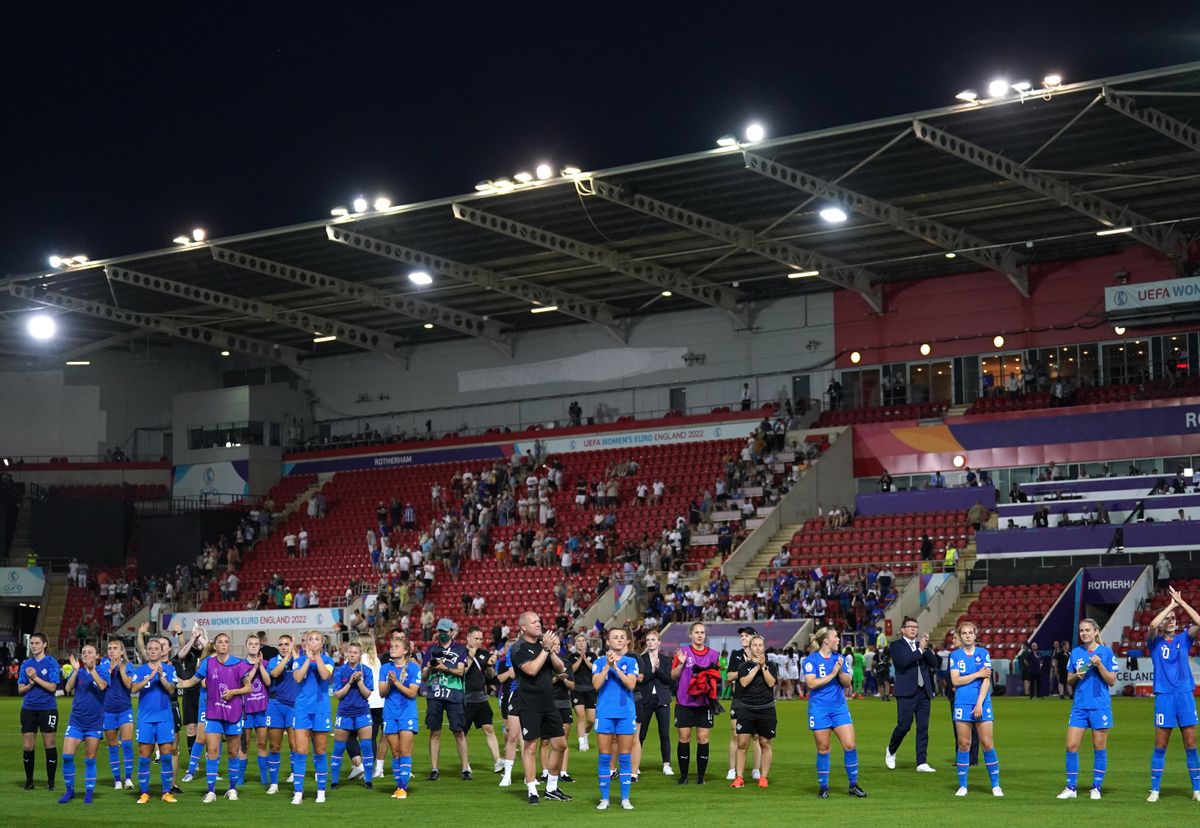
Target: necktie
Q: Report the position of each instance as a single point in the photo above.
(920, 672)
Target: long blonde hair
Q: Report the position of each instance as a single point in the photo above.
(370, 653)
(1096, 626)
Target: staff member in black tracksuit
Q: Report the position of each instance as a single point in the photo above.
(654, 693)
(736, 658)
(916, 665)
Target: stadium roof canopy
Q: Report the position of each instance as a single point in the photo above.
(1001, 184)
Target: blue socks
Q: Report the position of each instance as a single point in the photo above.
(166, 771)
(850, 761)
(1099, 768)
(299, 768)
(368, 758)
(823, 770)
(89, 774)
(603, 774)
(273, 767)
(114, 762)
(194, 757)
(321, 769)
(144, 774)
(1157, 762)
(127, 750)
(993, 766)
(396, 774)
(210, 772)
(69, 771)
(625, 773)
(1072, 769)
(262, 768)
(1193, 760)
(405, 771)
(962, 763)
(339, 747)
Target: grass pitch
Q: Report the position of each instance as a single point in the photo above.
(1029, 741)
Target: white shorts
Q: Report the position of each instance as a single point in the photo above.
(581, 499)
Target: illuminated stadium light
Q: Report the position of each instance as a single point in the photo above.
(968, 96)
(998, 88)
(755, 133)
(544, 309)
(78, 362)
(339, 212)
(998, 341)
(667, 293)
(1052, 81)
(951, 255)
(855, 357)
(78, 259)
(727, 142)
(199, 234)
(1022, 86)
(503, 185)
(224, 353)
(1119, 330)
(420, 277)
(523, 177)
(485, 187)
(55, 261)
(925, 349)
(360, 205)
(382, 203)
(803, 274)
(428, 326)
(959, 461)
(833, 215)
(1112, 231)
(544, 172)
(181, 240)
(41, 326)
(570, 171)
(328, 338)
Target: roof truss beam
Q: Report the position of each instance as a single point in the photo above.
(577, 306)
(208, 337)
(460, 321)
(1153, 234)
(663, 278)
(838, 274)
(356, 335)
(1158, 121)
(959, 242)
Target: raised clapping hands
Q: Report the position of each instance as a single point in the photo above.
(1095, 660)
(680, 656)
(1176, 598)
(74, 662)
(144, 628)
(30, 673)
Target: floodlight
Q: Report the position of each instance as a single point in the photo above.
(41, 326)
(833, 215)
(420, 277)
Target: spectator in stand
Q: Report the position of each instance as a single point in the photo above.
(977, 515)
(301, 599)
(746, 398)
(289, 544)
(312, 508)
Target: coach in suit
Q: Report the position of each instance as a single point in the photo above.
(915, 665)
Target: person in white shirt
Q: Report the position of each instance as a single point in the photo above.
(303, 538)
(641, 492)
(659, 490)
(289, 544)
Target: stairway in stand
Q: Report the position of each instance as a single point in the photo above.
(950, 619)
(54, 607)
(746, 580)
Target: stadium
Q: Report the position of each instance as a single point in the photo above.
(941, 366)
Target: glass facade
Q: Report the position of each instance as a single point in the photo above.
(962, 380)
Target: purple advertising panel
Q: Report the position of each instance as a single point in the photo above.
(1108, 584)
(924, 500)
(388, 461)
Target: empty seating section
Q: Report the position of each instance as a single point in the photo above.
(1133, 637)
(337, 543)
(109, 491)
(289, 487)
(1092, 395)
(1006, 615)
(881, 414)
(894, 539)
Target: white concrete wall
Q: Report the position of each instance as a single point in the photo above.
(774, 350)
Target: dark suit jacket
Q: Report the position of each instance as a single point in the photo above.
(906, 662)
(655, 687)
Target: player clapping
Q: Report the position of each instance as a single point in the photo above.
(399, 681)
(614, 678)
(353, 683)
(828, 676)
(88, 681)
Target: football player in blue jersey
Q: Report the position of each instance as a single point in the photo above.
(312, 670)
(971, 677)
(1174, 704)
(281, 711)
(1093, 670)
(37, 682)
(399, 681)
(154, 684)
(827, 676)
(352, 683)
(118, 716)
(88, 681)
(614, 677)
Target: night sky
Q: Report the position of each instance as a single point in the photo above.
(124, 130)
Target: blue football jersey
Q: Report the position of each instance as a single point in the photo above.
(832, 694)
(966, 695)
(1091, 691)
(614, 700)
(1172, 673)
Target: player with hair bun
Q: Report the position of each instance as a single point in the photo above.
(971, 677)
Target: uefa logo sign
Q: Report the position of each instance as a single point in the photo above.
(1120, 298)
